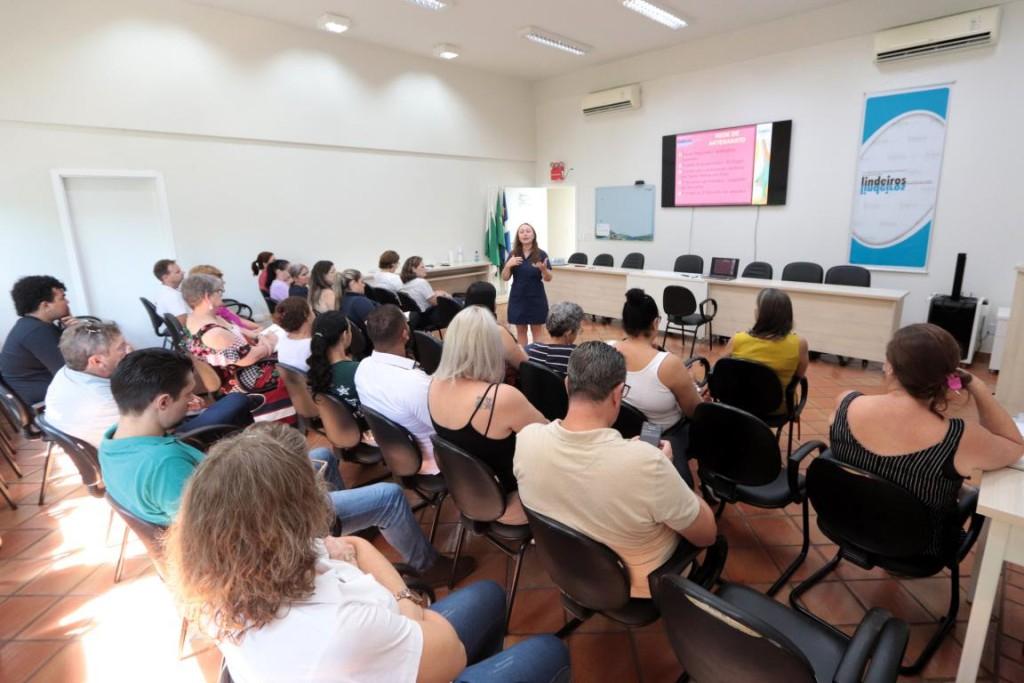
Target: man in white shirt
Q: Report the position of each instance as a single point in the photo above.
(168, 298)
(391, 384)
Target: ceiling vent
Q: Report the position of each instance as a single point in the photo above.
(960, 31)
(626, 97)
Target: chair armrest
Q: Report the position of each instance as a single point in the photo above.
(967, 504)
(877, 642)
(685, 554)
(714, 308)
(700, 360)
(204, 437)
(793, 465)
(37, 408)
(706, 573)
(794, 408)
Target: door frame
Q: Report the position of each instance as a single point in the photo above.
(58, 176)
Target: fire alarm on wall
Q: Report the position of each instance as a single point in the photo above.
(557, 171)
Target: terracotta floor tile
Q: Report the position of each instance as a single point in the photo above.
(494, 567)
(933, 593)
(750, 565)
(1013, 620)
(784, 555)
(17, 612)
(537, 610)
(19, 659)
(891, 595)
(16, 573)
(737, 532)
(533, 574)
(67, 665)
(61, 579)
(17, 541)
(776, 531)
(70, 617)
(833, 602)
(603, 657)
(657, 660)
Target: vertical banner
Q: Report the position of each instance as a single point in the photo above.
(897, 180)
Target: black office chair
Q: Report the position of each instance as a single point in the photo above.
(593, 579)
(427, 349)
(441, 315)
(877, 523)
(853, 276)
(739, 634)
(21, 415)
(382, 295)
(202, 438)
(402, 455)
(579, 258)
(344, 432)
(544, 389)
(296, 383)
(176, 331)
(738, 461)
(240, 309)
(755, 388)
(606, 260)
(360, 346)
(407, 303)
(477, 494)
(82, 454)
(758, 269)
(630, 421)
(689, 263)
(634, 260)
(156, 321)
(681, 311)
(803, 271)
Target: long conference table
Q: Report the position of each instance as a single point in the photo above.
(847, 321)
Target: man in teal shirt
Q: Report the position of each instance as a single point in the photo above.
(144, 469)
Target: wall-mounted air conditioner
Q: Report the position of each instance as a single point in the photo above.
(626, 97)
(970, 29)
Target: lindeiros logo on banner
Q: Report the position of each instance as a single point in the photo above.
(898, 172)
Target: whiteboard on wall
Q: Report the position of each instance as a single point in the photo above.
(625, 213)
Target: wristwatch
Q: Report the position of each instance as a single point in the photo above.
(406, 594)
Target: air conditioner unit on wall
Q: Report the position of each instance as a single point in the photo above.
(626, 97)
(977, 28)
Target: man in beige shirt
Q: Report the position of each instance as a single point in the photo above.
(582, 473)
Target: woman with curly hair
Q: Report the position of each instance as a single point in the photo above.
(287, 602)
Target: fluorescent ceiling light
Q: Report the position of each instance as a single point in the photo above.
(655, 13)
(548, 39)
(431, 4)
(446, 51)
(334, 23)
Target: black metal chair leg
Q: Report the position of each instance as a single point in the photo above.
(664, 337)
(461, 531)
(781, 581)
(693, 344)
(119, 567)
(803, 586)
(569, 627)
(515, 583)
(437, 517)
(945, 625)
(711, 336)
(46, 474)
(7, 494)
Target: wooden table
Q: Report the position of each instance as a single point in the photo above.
(848, 321)
(459, 276)
(1001, 499)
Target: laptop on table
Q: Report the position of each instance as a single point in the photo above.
(723, 268)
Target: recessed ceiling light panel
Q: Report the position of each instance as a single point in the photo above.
(432, 4)
(446, 51)
(549, 39)
(655, 13)
(334, 23)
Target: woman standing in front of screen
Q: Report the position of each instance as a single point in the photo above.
(529, 269)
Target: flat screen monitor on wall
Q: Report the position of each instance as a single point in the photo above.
(739, 166)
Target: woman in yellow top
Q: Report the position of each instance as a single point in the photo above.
(771, 340)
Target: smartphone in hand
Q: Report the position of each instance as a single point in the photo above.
(651, 433)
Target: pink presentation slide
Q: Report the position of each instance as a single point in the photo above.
(715, 167)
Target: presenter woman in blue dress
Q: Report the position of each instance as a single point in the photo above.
(529, 269)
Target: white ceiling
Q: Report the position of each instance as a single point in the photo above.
(487, 31)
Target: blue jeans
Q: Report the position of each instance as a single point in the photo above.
(381, 505)
(477, 612)
(232, 409)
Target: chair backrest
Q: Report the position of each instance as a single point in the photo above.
(604, 260)
(758, 269)
(689, 263)
(588, 572)
(717, 641)
(208, 381)
(20, 412)
(360, 347)
(544, 389)
(154, 317)
(176, 332)
(732, 446)
(82, 453)
(297, 384)
(407, 304)
(803, 271)
(579, 257)
(340, 425)
(630, 421)
(202, 438)
(445, 311)
(399, 449)
(747, 385)
(470, 481)
(383, 295)
(860, 509)
(855, 276)
(633, 260)
(677, 300)
(427, 350)
(150, 534)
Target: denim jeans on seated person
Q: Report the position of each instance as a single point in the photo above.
(477, 613)
(232, 409)
(379, 505)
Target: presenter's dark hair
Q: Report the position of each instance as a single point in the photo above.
(261, 261)
(774, 315)
(31, 291)
(482, 294)
(408, 268)
(147, 373)
(638, 312)
(328, 330)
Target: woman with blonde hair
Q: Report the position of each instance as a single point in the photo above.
(287, 602)
(470, 406)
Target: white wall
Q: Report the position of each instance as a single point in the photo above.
(268, 136)
(821, 89)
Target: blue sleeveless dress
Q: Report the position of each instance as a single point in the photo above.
(528, 302)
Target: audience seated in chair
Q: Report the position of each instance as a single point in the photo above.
(626, 494)
(287, 602)
(324, 294)
(248, 327)
(279, 278)
(472, 408)
(483, 294)
(331, 369)
(30, 357)
(260, 272)
(771, 340)
(295, 317)
(299, 274)
(168, 298)
(386, 276)
(354, 302)
(565, 319)
(907, 436)
(390, 383)
(414, 283)
(80, 402)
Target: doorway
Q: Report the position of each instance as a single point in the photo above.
(552, 213)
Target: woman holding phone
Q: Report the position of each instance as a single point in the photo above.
(529, 269)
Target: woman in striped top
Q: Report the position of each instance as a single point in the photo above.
(905, 435)
(564, 322)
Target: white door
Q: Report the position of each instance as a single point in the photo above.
(528, 205)
(117, 229)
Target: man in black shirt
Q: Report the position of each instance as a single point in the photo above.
(30, 354)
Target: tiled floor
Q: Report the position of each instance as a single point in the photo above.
(63, 619)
